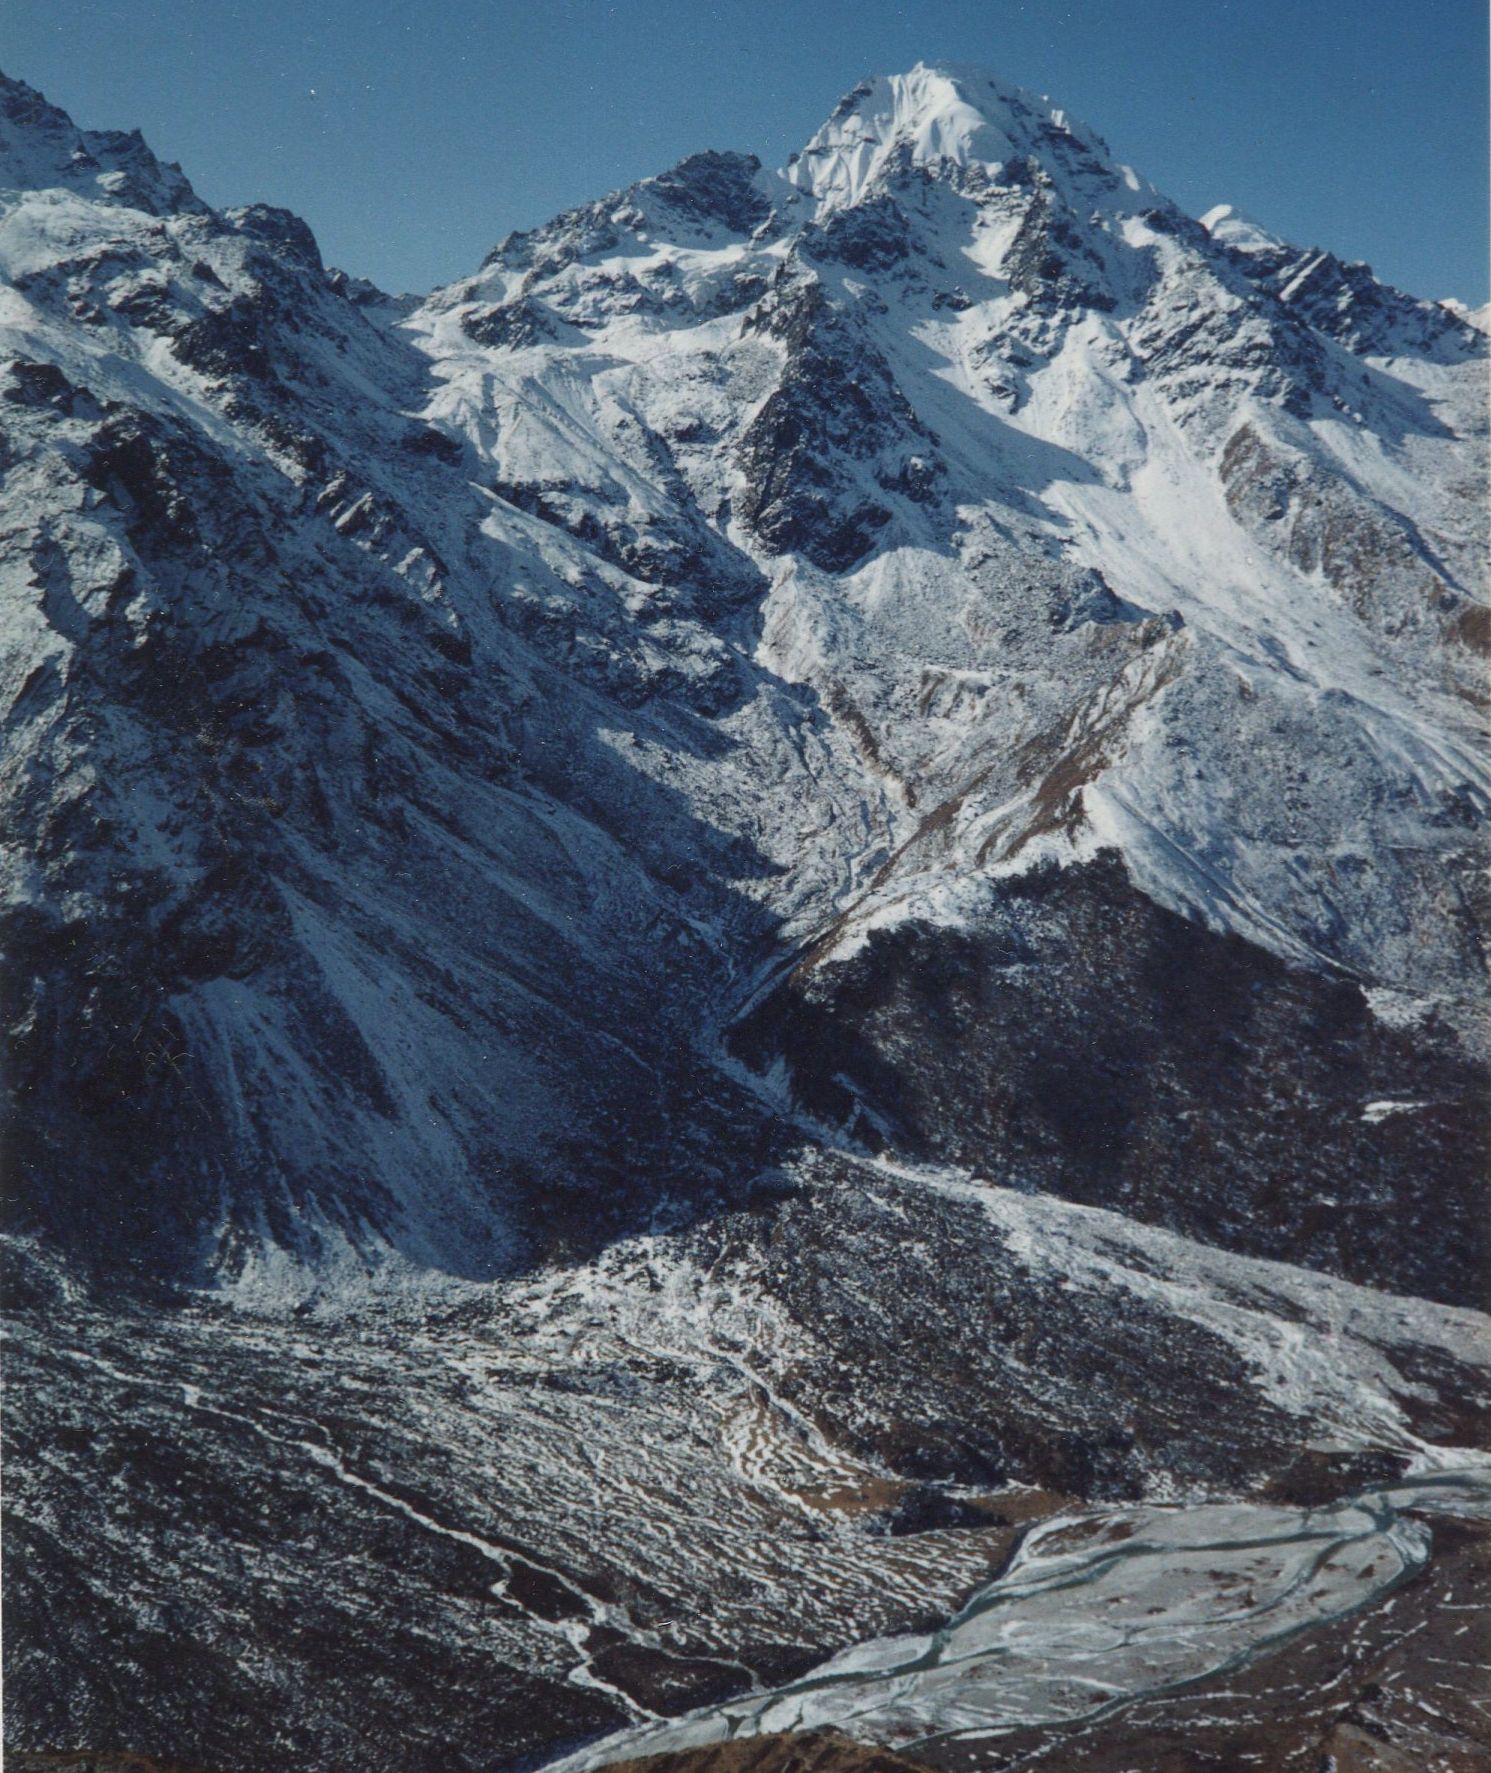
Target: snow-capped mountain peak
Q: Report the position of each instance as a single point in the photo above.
(935, 115)
(42, 149)
(809, 564)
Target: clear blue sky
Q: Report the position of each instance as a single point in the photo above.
(412, 136)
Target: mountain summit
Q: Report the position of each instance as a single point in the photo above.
(943, 114)
(42, 149)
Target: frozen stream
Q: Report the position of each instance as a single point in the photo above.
(1094, 1610)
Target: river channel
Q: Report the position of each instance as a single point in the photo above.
(1094, 1610)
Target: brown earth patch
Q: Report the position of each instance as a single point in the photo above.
(814, 1751)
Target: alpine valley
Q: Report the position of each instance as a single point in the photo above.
(744, 976)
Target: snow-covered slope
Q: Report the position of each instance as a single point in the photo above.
(1000, 414)
(440, 726)
(329, 880)
(1087, 527)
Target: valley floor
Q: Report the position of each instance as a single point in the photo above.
(490, 1525)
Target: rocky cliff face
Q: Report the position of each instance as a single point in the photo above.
(930, 670)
